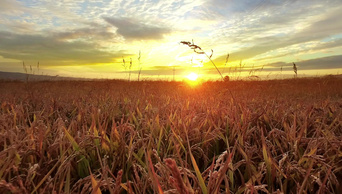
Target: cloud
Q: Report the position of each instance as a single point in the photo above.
(132, 29)
(329, 45)
(97, 33)
(331, 62)
(323, 63)
(328, 26)
(11, 7)
(51, 49)
(318, 29)
(241, 9)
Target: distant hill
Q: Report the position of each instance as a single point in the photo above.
(22, 77)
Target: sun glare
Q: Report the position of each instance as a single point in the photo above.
(192, 76)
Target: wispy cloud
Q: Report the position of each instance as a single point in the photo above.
(133, 29)
(86, 33)
(331, 62)
(268, 35)
(51, 49)
(11, 7)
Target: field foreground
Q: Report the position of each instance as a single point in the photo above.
(280, 136)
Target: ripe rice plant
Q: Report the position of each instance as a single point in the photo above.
(279, 136)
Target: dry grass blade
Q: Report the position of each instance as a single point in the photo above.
(302, 187)
(198, 174)
(181, 188)
(267, 160)
(197, 171)
(322, 188)
(224, 167)
(74, 144)
(95, 185)
(46, 177)
(196, 47)
(154, 175)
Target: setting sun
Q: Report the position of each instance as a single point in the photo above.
(192, 76)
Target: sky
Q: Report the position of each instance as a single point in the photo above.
(93, 38)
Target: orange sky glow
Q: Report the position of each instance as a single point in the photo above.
(92, 39)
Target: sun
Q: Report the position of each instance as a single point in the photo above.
(192, 76)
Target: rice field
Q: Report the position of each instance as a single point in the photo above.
(278, 136)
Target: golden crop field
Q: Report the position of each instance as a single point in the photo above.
(278, 136)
